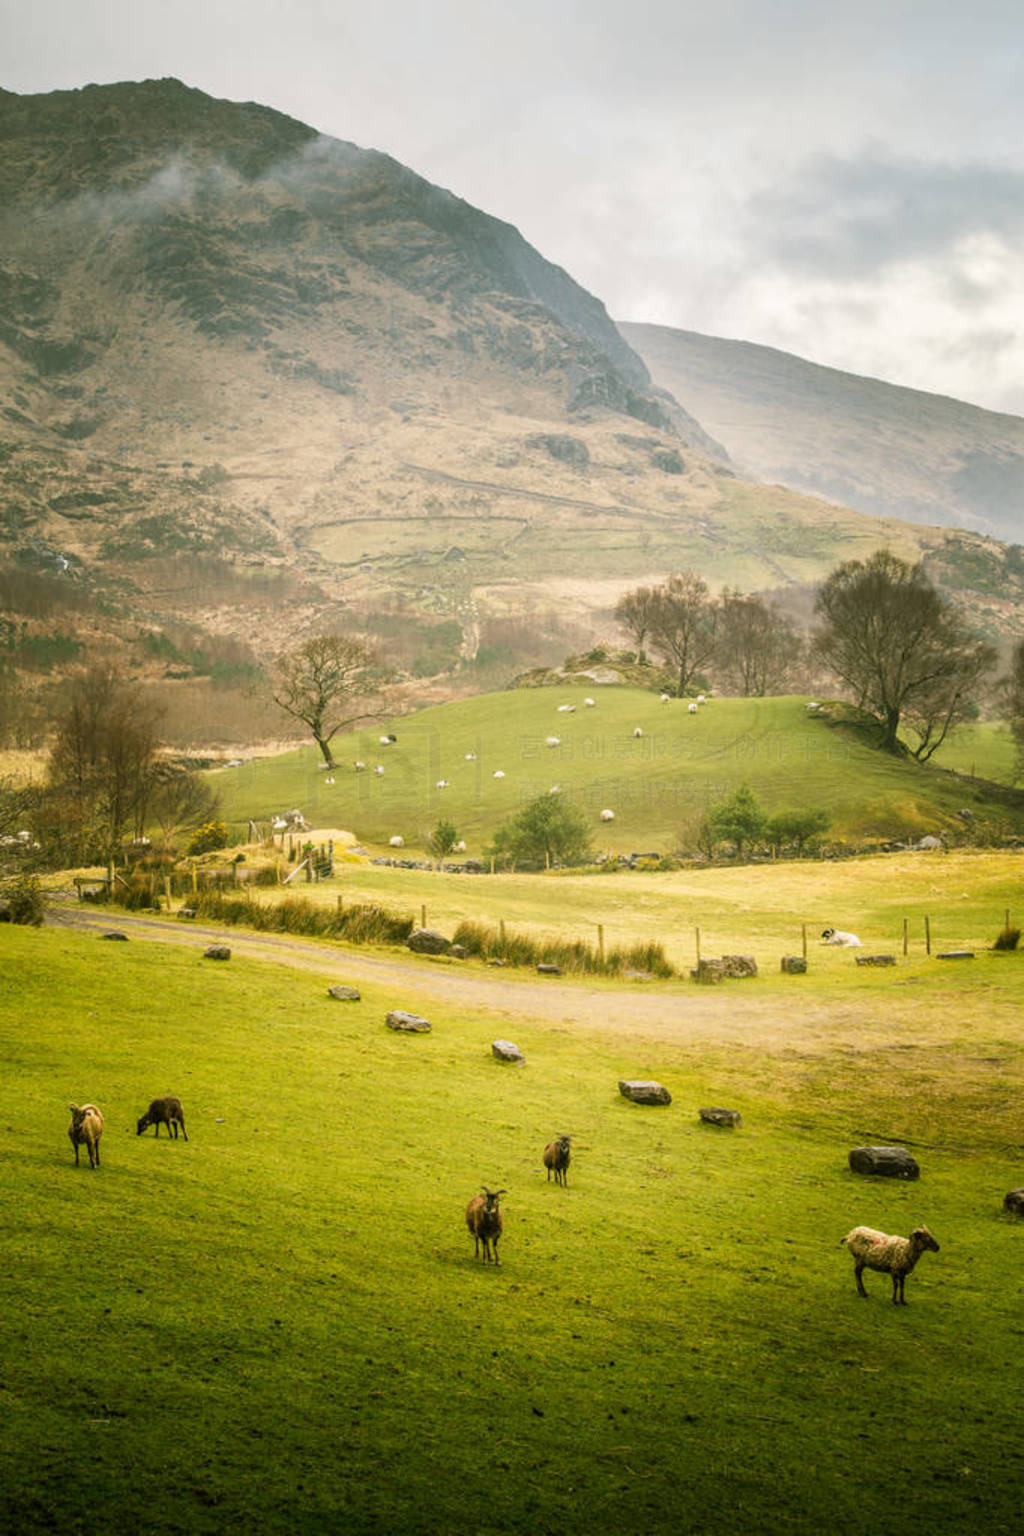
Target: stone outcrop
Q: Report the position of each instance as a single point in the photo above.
(343, 994)
(427, 941)
(721, 1116)
(644, 1091)
(887, 1162)
(410, 1023)
(505, 1050)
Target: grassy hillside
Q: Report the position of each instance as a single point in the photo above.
(281, 1321)
(658, 784)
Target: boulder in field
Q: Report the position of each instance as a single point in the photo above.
(411, 1023)
(217, 952)
(1013, 1201)
(709, 972)
(427, 941)
(956, 954)
(739, 966)
(887, 1162)
(721, 1116)
(343, 994)
(549, 970)
(877, 960)
(506, 1050)
(644, 1091)
(793, 965)
(113, 933)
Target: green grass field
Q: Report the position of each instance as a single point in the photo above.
(658, 785)
(282, 1322)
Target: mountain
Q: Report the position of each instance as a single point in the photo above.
(255, 381)
(886, 450)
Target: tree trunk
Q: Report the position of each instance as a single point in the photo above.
(325, 748)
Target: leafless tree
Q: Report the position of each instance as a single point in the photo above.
(683, 626)
(180, 800)
(902, 647)
(757, 647)
(321, 682)
(634, 612)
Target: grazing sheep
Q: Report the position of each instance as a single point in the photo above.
(85, 1130)
(460, 846)
(665, 698)
(607, 815)
(553, 741)
(385, 741)
(483, 1218)
(556, 1159)
(499, 773)
(397, 841)
(556, 789)
(589, 703)
(443, 784)
(166, 1111)
(359, 767)
(378, 769)
(691, 708)
(329, 781)
(567, 709)
(470, 757)
(638, 732)
(838, 937)
(895, 1256)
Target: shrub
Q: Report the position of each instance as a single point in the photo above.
(210, 836)
(569, 954)
(1009, 938)
(796, 828)
(22, 898)
(549, 830)
(360, 924)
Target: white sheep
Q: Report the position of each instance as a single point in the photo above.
(589, 703)
(470, 757)
(442, 784)
(702, 698)
(895, 1256)
(378, 769)
(665, 698)
(691, 708)
(567, 709)
(460, 846)
(556, 789)
(553, 741)
(607, 815)
(359, 767)
(396, 842)
(385, 741)
(499, 773)
(842, 940)
(638, 732)
(329, 780)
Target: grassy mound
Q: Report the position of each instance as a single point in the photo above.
(658, 784)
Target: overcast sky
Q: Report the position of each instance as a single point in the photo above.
(840, 178)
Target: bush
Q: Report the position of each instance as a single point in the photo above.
(21, 897)
(207, 838)
(362, 924)
(550, 830)
(1009, 938)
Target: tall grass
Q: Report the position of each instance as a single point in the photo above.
(360, 924)
(574, 955)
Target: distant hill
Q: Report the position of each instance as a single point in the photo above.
(886, 450)
(255, 381)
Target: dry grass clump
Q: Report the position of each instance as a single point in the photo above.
(365, 924)
(574, 955)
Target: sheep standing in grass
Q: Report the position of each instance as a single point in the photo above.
(85, 1130)
(556, 1159)
(166, 1111)
(483, 1218)
(895, 1256)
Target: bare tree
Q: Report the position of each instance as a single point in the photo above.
(683, 626)
(634, 612)
(321, 681)
(180, 800)
(902, 648)
(1012, 690)
(757, 646)
(102, 763)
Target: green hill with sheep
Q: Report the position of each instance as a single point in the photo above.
(656, 766)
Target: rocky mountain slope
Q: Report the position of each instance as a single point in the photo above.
(886, 450)
(255, 380)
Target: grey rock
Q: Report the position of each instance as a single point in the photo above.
(644, 1091)
(739, 966)
(505, 1050)
(217, 952)
(956, 954)
(411, 1023)
(721, 1116)
(1013, 1201)
(887, 1162)
(709, 972)
(793, 965)
(458, 952)
(114, 933)
(496, 960)
(427, 941)
(344, 994)
(549, 970)
(876, 960)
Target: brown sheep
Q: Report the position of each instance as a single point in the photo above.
(556, 1159)
(895, 1256)
(166, 1111)
(483, 1218)
(85, 1130)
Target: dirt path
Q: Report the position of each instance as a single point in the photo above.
(625, 1009)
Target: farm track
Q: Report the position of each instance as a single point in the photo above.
(625, 1009)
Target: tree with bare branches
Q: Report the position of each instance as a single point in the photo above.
(322, 681)
(634, 612)
(683, 626)
(757, 647)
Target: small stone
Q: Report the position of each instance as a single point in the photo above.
(459, 952)
(114, 933)
(644, 1091)
(412, 1023)
(1013, 1201)
(496, 960)
(793, 965)
(217, 952)
(344, 994)
(875, 959)
(887, 1162)
(186, 911)
(956, 954)
(427, 941)
(505, 1050)
(721, 1116)
(549, 970)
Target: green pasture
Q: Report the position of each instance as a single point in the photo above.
(658, 784)
(757, 909)
(281, 1322)
(985, 751)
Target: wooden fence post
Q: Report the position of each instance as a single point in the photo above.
(698, 945)
(501, 928)
(195, 878)
(927, 936)
(600, 941)
(906, 937)
(803, 939)
(341, 904)
(423, 915)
